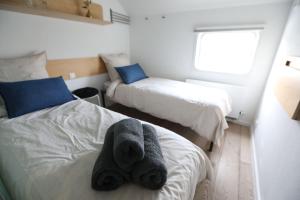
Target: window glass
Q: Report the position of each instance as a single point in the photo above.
(226, 51)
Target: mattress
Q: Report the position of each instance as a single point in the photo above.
(50, 154)
(203, 109)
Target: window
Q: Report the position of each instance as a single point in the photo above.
(226, 51)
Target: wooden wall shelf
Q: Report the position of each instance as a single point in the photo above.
(287, 88)
(49, 13)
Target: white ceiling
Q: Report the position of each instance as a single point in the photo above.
(148, 7)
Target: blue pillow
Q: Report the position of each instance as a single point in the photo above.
(28, 96)
(131, 73)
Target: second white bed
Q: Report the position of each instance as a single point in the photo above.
(202, 109)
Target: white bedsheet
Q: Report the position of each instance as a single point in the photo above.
(50, 155)
(203, 109)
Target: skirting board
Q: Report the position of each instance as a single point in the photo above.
(255, 166)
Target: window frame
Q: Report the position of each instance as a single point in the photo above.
(202, 31)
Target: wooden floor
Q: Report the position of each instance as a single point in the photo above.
(231, 161)
(232, 164)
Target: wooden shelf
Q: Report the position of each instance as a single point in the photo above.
(287, 88)
(50, 13)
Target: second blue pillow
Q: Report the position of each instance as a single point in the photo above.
(131, 73)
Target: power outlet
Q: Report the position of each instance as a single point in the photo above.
(72, 75)
(241, 114)
(257, 122)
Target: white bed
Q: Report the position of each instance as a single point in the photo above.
(50, 154)
(203, 109)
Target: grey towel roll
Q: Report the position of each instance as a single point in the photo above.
(106, 173)
(128, 143)
(151, 172)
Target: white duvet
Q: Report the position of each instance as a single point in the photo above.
(203, 109)
(50, 155)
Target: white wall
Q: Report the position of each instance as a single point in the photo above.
(172, 6)
(21, 34)
(277, 137)
(165, 47)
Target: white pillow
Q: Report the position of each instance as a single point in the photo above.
(115, 60)
(23, 68)
(20, 69)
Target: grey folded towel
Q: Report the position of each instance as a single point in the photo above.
(106, 173)
(151, 172)
(128, 143)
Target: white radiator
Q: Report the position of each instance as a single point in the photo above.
(235, 92)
